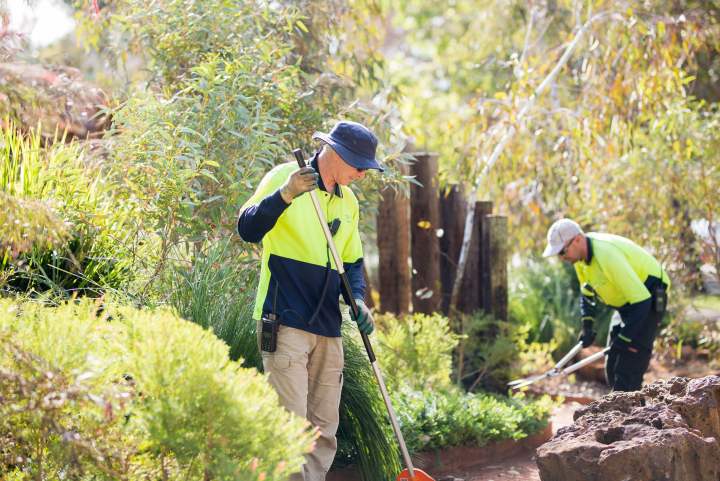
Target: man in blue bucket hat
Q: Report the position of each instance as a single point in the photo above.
(297, 305)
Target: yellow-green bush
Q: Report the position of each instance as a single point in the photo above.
(416, 350)
(132, 394)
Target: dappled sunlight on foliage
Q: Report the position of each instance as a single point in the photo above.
(134, 393)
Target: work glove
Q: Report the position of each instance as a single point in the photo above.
(301, 181)
(587, 336)
(365, 321)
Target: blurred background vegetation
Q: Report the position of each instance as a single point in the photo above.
(128, 144)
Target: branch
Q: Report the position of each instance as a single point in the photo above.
(500, 147)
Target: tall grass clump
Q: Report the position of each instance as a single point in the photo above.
(96, 254)
(216, 290)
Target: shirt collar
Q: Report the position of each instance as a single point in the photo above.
(589, 257)
(314, 165)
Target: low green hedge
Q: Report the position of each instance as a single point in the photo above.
(451, 417)
(416, 352)
(121, 393)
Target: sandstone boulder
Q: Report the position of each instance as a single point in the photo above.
(668, 431)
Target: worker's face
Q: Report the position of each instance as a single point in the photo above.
(346, 173)
(572, 251)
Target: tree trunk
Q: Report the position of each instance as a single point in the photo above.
(424, 224)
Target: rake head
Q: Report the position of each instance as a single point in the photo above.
(420, 475)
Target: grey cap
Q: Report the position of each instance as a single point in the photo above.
(559, 234)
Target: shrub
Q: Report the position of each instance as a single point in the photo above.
(416, 350)
(438, 419)
(135, 395)
(488, 351)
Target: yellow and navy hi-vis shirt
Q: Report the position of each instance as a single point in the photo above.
(620, 273)
(295, 281)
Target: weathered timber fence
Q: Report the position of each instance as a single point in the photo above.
(428, 230)
(424, 241)
(393, 242)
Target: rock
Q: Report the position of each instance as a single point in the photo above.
(55, 97)
(668, 431)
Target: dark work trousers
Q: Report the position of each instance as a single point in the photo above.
(624, 370)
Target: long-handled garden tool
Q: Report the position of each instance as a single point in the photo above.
(410, 473)
(559, 369)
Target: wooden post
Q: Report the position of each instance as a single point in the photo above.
(452, 213)
(495, 250)
(483, 209)
(393, 241)
(424, 224)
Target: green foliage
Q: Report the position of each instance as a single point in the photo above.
(25, 224)
(238, 86)
(365, 437)
(687, 324)
(76, 201)
(618, 141)
(442, 418)
(487, 352)
(416, 350)
(544, 296)
(135, 394)
(217, 291)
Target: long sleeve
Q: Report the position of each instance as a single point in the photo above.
(356, 278)
(256, 220)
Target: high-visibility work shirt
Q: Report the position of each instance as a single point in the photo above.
(618, 270)
(295, 280)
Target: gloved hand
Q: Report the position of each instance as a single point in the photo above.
(301, 181)
(365, 321)
(587, 336)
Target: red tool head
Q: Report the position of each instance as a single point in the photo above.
(420, 475)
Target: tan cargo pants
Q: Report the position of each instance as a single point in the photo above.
(306, 370)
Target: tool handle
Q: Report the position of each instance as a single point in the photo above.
(569, 356)
(588, 360)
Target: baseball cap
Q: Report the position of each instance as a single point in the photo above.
(559, 234)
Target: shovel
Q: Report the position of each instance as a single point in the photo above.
(410, 473)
